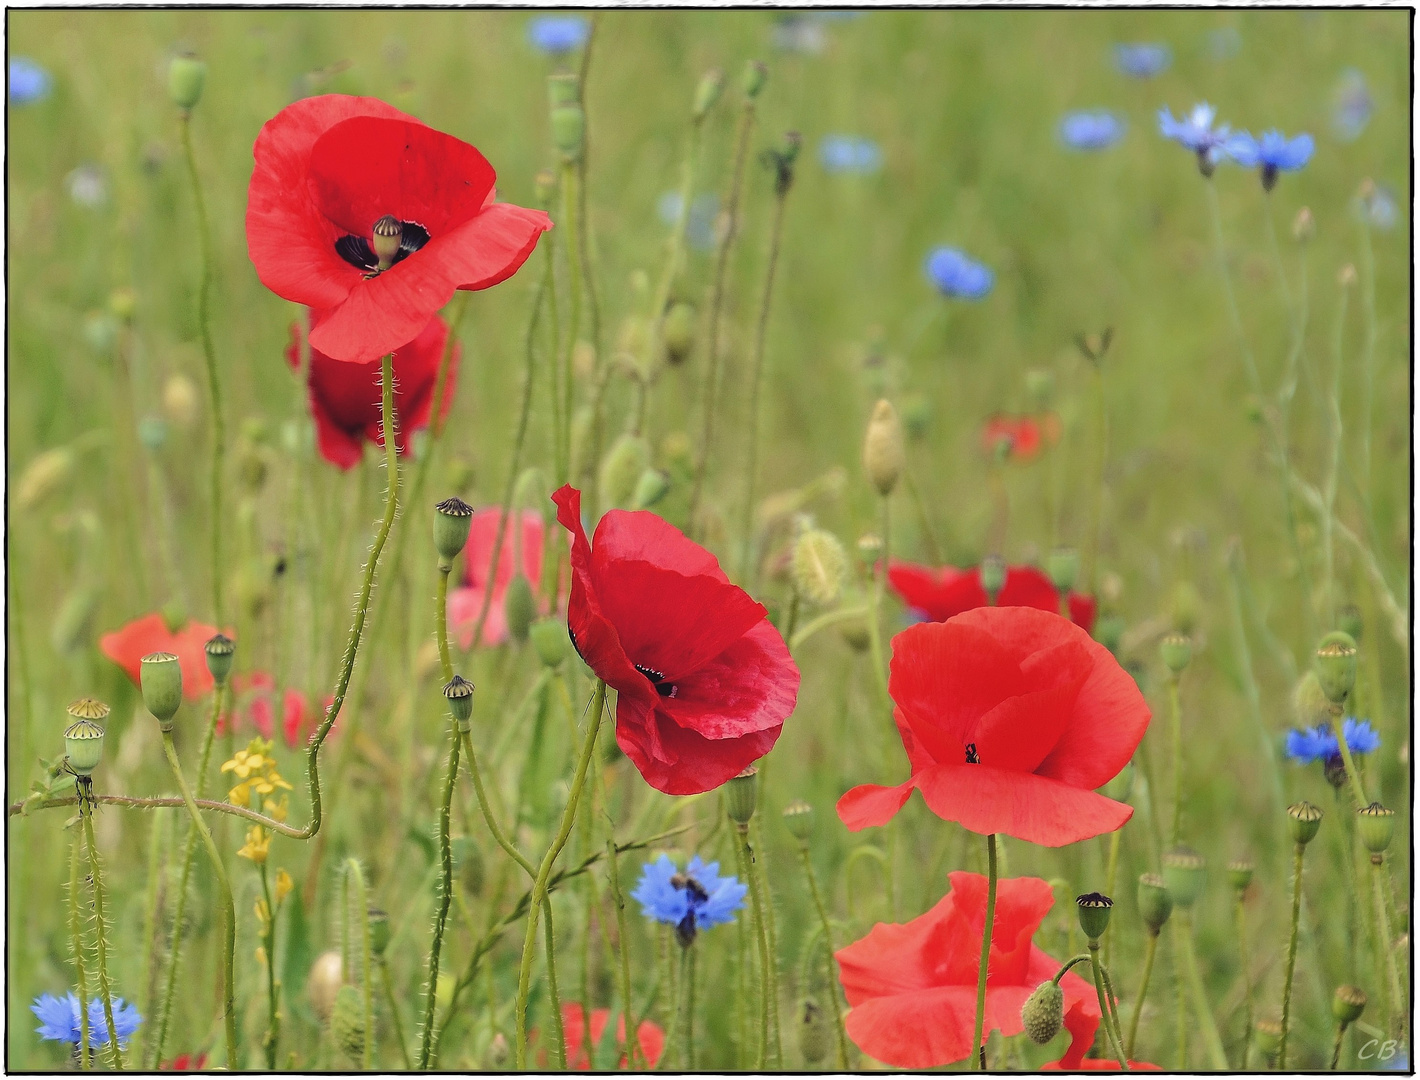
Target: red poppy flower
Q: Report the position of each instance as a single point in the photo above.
(345, 397)
(939, 594)
(649, 1036)
(467, 601)
(1024, 436)
(254, 694)
(1082, 1026)
(911, 987)
(703, 679)
(185, 1063)
(127, 646)
(329, 170)
(1011, 718)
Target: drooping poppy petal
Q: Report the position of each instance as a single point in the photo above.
(940, 593)
(466, 602)
(127, 646)
(1082, 1026)
(651, 1038)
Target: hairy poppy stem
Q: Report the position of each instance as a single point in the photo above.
(76, 940)
(833, 982)
(356, 878)
(1106, 1013)
(1394, 994)
(1298, 855)
(1240, 918)
(549, 944)
(978, 1052)
(1149, 950)
(1176, 732)
(766, 962)
(562, 375)
(394, 1013)
(273, 1014)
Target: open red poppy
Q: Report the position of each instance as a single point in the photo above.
(1023, 436)
(330, 169)
(345, 397)
(946, 591)
(1010, 717)
(649, 1036)
(127, 646)
(911, 987)
(467, 601)
(254, 695)
(1082, 1026)
(704, 681)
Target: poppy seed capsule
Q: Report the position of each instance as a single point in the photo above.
(569, 129)
(219, 650)
(1268, 1036)
(815, 1038)
(740, 795)
(452, 519)
(187, 75)
(993, 576)
(650, 489)
(379, 930)
(160, 679)
(561, 89)
(1094, 910)
(549, 638)
(1347, 1004)
(84, 745)
(1240, 875)
(1377, 826)
(707, 92)
(1336, 665)
(347, 1022)
(756, 74)
(1155, 903)
(385, 237)
(1063, 566)
(883, 453)
(799, 820)
(1184, 873)
(1176, 651)
(820, 566)
(1043, 1014)
(459, 694)
(678, 331)
(1303, 821)
(519, 607)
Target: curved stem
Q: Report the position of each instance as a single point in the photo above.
(1106, 1013)
(978, 1051)
(839, 1031)
(76, 939)
(549, 944)
(158, 802)
(446, 892)
(1149, 951)
(492, 822)
(824, 621)
(1353, 777)
(1291, 954)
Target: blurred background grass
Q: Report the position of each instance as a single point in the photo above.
(964, 105)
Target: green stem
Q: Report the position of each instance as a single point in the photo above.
(1336, 1046)
(367, 973)
(771, 934)
(766, 964)
(1212, 1041)
(929, 536)
(1394, 995)
(446, 891)
(1240, 913)
(634, 1058)
(1149, 950)
(1106, 1013)
(978, 1051)
(549, 941)
(687, 1006)
(498, 834)
(1180, 993)
(394, 1014)
(158, 842)
(1368, 354)
(1215, 211)
(1352, 775)
(1091, 562)
(1176, 731)
(875, 634)
(1299, 852)
(273, 1016)
(839, 1031)
(1333, 470)
(571, 205)
(76, 940)
(1110, 875)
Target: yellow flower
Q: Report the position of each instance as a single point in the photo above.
(277, 808)
(263, 913)
(283, 884)
(257, 845)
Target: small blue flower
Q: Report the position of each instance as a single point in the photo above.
(1093, 129)
(1142, 60)
(558, 34)
(1351, 106)
(59, 1019)
(700, 226)
(1197, 133)
(28, 81)
(849, 154)
(957, 275)
(694, 900)
(1274, 153)
(1319, 743)
(1361, 738)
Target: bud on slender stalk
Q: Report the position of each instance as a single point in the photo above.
(650, 489)
(820, 566)
(84, 738)
(569, 129)
(1347, 1004)
(1240, 875)
(1185, 872)
(753, 80)
(1155, 903)
(799, 820)
(740, 796)
(1093, 910)
(1336, 665)
(459, 694)
(993, 576)
(1043, 1014)
(1177, 652)
(707, 93)
(1303, 821)
(519, 607)
(379, 930)
(549, 638)
(452, 519)
(1063, 567)
(187, 75)
(160, 678)
(815, 1037)
(883, 453)
(628, 458)
(1377, 825)
(219, 651)
(678, 331)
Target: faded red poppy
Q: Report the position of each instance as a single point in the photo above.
(911, 987)
(1024, 436)
(704, 682)
(467, 601)
(185, 1063)
(127, 646)
(329, 170)
(939, 594)
(254, 693)
(345, 398)
(1010, 717)
(649, 1036)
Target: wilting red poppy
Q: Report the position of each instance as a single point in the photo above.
(1010, 717)
(127, 646)
(649, 1036)
(911, 987)
(703, 679)
(939, 594)
(1023, 435)
(374, 219)
(253, 694)
(185, 1063)
(345, 398)
(467, 601)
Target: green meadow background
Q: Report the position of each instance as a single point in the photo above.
(964, 106)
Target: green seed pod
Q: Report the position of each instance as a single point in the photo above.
(347, 1022)
(1109, 631)
(1309, 704)
(1043, 1014)
(1240, 875)
(1336, 665)
(569, 129)
(756, 74)
(1347, 1004)
(1349, 621)
(323, 983)
(1303, 821)
(993, 576)
(1093, 910)
(1377, 826)
(84, 738)
(379, 930)
(628, 458)
(707, 93)
(1155, 903)
(1122, 785)
(1185, 871)
(561, 89)
(459, 694)
(452, 518)
(218, 650)
(815, 1036)
(1176, 650)
(820, 566)
(650, 489)
(160, 678)
(186, 77)
(1063, 565)
(884, 456)
(519, 607)
(799, 820)
(549, 638)
(740, 795)
(678, 331)
(1268, 1037)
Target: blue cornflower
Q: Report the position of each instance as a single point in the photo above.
(696, 899)
(28, 81)
(700, 225)
(957, 275)
(849, 154)
(1274, 153)
(1319, 743)
(1142, 60)
(1196, 132)
(558, 34)
(59, 1019)
(1351, 106)
(1093, 129)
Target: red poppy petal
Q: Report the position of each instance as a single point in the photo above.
(1022, 731)
(338, 446)
(128, 645)
(870, 804)
(921, 1030)
(478, 551)
(916, 585)
(1030, 807)
(1082, 611)
(463, 608)
(918, 756)
(640, 534)
(750, 686)
(676, 760)
(1025, 586)
(490, 248)
(940, 593)
(1021, 906)
(593, 635)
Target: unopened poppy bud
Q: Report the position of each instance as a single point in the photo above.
(883, 452)
(1347, 1004)
(160, 678)
(379, 930)
(1268, 1036)
(707, 93)
(569, 129)
(1043, 1014)
(993, 576)
(1346, 276)
(1176, 650)
(186, 77)
(678, 331)
(820, 566)
(1109, 631)
(562, 89)
(1040, 387)
(628, 458)
(549, 638)
(740, 795)
(1155, 903)
(219, 650)
(1240, 875)
(799, 820)
(1336, 665)
(519, 607)
(1120, 787)
(323, 983)
(385, 238)
(855, 633)
(458, 691)
(1377, 827)
(84, 738)
(1184, 873)
(347, 1022)
(1309, 704)
(1063, 565)
(1093, 910)
(815, 1038)
(650, 489)
(1303, 821)
(870, 546)
(1303, 227)
(1349, 620)
(452, 519)
(756, 74)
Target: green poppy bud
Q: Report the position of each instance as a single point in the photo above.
(219, 650)
(993, 576)
(569, 129)
(740, 795)
(1347, 1004)
(884, 456)
(1303, 821)
(799, 820)
(1184, 873)
(820, 566)
(1109, 631)
(1336, 665)
(459, 694)
(1176, 651)
(160, 678)
(186, 77)
(84, 738)
(1186, 603)
(347, 1022)
(1268, 1037)
(561, 89)
(1349, 620)
(1093, 910)
(1377, 826)
(815, 1036)
(1309, 704)
(1155, 903)
(756, 74)
(1043, 1014)
(678, 331)
(549, 638)
(1063, 565)
(650, 489)
(1240, 875)
(628, 458)
(519, 607)
(452, 518)
(379, 930)
(707, 93)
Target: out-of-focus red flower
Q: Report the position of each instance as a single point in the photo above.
(911, 987)
(1082, 1026)
(345, 397)
(1024, 436)
(946, 591)
(704, 682)
(327, 169)
(253, 695)
(649, 1036)
(1010, 717)
(127, 646)
(185, 1063)
(467, 601)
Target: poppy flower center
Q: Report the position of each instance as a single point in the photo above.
(391, 241)
(663, 687)
(972, 758)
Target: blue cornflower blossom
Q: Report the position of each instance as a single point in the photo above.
(957, 275)
(849, 154)
(696, 899)
(1351, 106)
(59, 1019)
(558, 34)
(1197, 133)
(1142, 60)
(700, 224)
(1274, 153)
(1319, 743)
(28, 81)
(1093, 129)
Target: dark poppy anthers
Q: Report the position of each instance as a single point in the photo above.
(940, 593)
